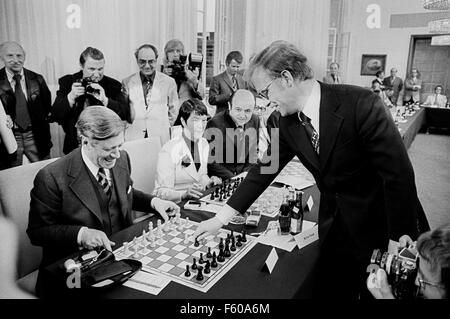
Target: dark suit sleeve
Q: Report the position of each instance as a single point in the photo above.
(61, 109)
(141, 200)
(214, 168)
(388, 154)
(215, 96)
(44, 228)
(260, 176)
(46, 96)
(118, 101)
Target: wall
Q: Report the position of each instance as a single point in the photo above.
(394, 42)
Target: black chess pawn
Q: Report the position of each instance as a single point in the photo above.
(199, 274)
(196, 243)
(233, 244)
(212, 196)
(214, 260)
(226, 252)
(244, 239)
(221, 245)
(221, 196)
(221, 257)
(208, 254)
(194, 265)
(216, 192)
(207, 267)
(187, 273)
(200, 260)
(239, 241)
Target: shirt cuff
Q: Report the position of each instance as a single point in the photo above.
(226, 214)
(152, 202)
(80, 233)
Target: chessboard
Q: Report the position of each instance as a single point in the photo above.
(268, 203)
(170, 250)
(296, 175)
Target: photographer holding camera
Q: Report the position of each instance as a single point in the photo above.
(184, 69)
(85, 88)
(431, 274)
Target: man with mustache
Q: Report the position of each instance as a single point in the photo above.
(86, 196)
(27, 102)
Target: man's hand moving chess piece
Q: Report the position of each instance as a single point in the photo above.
(93, 238)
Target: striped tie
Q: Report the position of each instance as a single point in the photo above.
(103, 180)
(310, 131)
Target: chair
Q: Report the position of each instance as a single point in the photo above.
(144, 157)
(15, 186)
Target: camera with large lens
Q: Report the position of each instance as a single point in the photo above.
(194, 60)
(401, 270)
(86, 83)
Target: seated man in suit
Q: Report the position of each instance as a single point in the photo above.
(152, 96)
(85, 88)
(86, 196)
(437, 99)
(181, 171)
(233, 137)
(27, 102)
(333, 77)
(226, 83)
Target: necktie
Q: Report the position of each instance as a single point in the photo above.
(103, 180)
(310, 131)
(235, 85)
(147, 88)
(22, 116)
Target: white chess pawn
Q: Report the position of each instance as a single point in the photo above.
(166, 226)
(180, 227)
(150, 226)
(187, 221)
(151, 234)
(152, 242)
(186, 238)
(178, 217)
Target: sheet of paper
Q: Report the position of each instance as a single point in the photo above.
(309, 234)
(285, 242)
(146, 282)
(213, 208)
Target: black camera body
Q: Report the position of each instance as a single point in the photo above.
(401, 270)
(194, 60)
(86, 83)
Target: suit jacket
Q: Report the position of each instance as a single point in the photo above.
(363, 171)
(38, 103)
(409, 92)
(67, 116)
(329, 79)
(226, 158)
(395, 85)
(63, 200)
(172, 178)
(221, 90)
(161, 112)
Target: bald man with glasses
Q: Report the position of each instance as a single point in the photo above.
(233, 136)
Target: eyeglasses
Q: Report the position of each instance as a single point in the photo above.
(144, 62)
(264, 93)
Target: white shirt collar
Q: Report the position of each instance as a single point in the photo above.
(312, 106)
(10, 75)
(93, 168)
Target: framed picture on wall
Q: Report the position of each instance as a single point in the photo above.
(372, 63)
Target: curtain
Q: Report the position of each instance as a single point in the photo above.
(48, 31)
(251, 25)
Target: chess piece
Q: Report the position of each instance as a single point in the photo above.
(152, 242)
(214, 260)
(221, 257)
(244, 239)
(199, 274)
(207, 267)
(186, 238)
(187, 273)
(212, 196)
(187, 223)
(221, 246)
(196, 243)
(233, 244)
(126, 247)
(150, 226)
(166, 226)
(136, 254)
(200, 260)
(208, 254)
(194, 264)
(221, 196)
(226, 252)
(239, 241)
